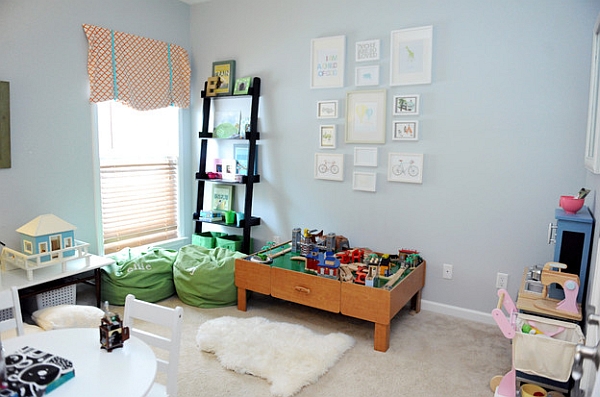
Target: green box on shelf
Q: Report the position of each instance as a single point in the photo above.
(207, 239)
(232, 242)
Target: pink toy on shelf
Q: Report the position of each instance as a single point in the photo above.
(507, 324)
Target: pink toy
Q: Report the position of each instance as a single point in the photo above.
(571, 204)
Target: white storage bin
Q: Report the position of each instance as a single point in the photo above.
(60, 296)
(541, 355)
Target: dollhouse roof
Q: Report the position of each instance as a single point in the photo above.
(45, 224)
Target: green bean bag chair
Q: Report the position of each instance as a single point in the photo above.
(204, 276)
(148, 276)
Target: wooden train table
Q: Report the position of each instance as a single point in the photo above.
(286, 279)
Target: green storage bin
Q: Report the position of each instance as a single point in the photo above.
(230, 242)
(207, 239)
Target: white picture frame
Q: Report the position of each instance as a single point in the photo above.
(327, 109)
(327, 62)
(365, 181)
(366, 75)
(365, 156)
(327, 136)
(405, 130)
(405, 167)
(411, 56)
(329, 166)
(367, 50)
(406, 105)
(365, 116)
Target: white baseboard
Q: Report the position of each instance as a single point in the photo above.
(455, 311)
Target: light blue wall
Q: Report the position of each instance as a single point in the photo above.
(502, 124)
(44, 57)
(502, 127)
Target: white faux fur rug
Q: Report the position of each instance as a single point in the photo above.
(289, 356)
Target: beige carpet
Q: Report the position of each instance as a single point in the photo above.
(430, 355)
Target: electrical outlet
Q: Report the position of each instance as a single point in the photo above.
(502, 280)
(447, 271)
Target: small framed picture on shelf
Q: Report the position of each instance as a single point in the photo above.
(222, 197)
(225, 70)
(229, 170)
(406, 130)
(406, 105)
(241, 153)
(242, 86)
(218, 166)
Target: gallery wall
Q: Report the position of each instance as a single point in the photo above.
(502, 128)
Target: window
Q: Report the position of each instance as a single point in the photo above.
(139, 153)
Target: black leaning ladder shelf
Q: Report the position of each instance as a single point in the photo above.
(247, 181)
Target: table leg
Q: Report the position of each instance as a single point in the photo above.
(241, 301)
(382, 337)
(415, 302)
(97, 281)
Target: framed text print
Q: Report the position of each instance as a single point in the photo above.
(411, 55)
(365, 117)
(327, 62)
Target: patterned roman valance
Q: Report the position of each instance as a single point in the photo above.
(140, 72)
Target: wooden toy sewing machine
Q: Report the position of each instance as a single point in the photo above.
(570, 284)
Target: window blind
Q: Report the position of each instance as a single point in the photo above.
(139, 203)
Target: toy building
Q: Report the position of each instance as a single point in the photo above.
(47, 233)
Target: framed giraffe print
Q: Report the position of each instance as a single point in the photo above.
(411, 56)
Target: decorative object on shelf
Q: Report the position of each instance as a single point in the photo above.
(229, 170)
(242, 86)
(211, 85)
(227, 124)
(222, 197)
(367, 75)
(327, 136)
(365, 157)
(329, 166)
(327, 109)
(365, 116)
(367, 50)
(241, 153)
(405, 130)
(226, 71)
(365, 181)
(5, 161)
(406, 105)
(327, 62)
(411, 55)
(405, 167)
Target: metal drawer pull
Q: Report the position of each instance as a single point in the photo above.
(304, 290)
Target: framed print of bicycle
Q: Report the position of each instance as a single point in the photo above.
(329, 166)
(405, 167)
